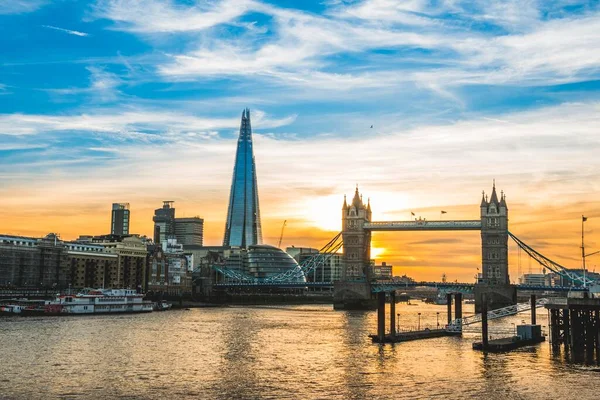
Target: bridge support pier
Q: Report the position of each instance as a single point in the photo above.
(353, 296)
(381, 316)
(458, 305)
(497, 296)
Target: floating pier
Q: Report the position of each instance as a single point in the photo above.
(396, 337)
(527, 335)
(508, 344)
(413, 335)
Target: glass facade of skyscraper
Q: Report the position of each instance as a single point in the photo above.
(243, 227)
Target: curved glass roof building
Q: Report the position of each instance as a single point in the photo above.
(243, 227)
(264, 262)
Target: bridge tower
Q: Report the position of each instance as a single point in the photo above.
(495, 280)
(353, 291)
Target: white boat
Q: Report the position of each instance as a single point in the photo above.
(16, 306)
(94, 301)
(162, 306)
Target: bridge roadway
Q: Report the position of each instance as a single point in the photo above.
(424, 225)
(388, 286)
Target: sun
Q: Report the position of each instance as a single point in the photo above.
(326, 212)
(376, 252)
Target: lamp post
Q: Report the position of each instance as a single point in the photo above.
(437, 319)
(419, 323)
(398, 322)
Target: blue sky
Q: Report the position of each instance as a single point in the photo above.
(131, 100)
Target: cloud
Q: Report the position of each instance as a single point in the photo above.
(20, 6)
(543, 159)
(151, 16)
(103, 86)
(443, 54)
(70, 32)
(126, 123)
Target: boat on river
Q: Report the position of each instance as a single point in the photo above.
(162, 306)
(16, 306)
(93, 301)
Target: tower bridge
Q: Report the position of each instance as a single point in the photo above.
(357, 289)
(354, 290)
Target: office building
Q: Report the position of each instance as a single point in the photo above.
(120, 219)
(383, 271)
(243, 227)
(164, 222)
(189, 231)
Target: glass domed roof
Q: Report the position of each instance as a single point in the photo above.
(264, 261)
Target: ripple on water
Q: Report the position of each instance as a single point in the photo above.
(306, 352)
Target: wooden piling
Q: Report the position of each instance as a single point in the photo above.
(449, 305)
(533, 310)
(484, 321)
(393, 313)
(381, 316)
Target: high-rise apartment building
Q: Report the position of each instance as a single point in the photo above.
(120, 219)
(243, 226)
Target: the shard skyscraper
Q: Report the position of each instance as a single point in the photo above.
(243, 215)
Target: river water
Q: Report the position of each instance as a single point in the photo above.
(296, 352)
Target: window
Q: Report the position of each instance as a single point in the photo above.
(493, 222)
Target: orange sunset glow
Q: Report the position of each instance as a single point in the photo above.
(297, 188)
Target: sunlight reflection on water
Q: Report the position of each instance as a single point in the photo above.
(269, 353)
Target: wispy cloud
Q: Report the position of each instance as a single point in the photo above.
(528, 46)
(103, 86)
(539, 156)
(69, 31)
(166, 17)
(20, 6)
(132, 122)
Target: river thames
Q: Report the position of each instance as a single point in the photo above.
(296, 352)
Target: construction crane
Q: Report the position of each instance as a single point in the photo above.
(281, 236)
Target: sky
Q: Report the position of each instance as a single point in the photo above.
(140, 101)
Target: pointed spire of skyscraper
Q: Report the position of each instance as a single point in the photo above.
(243, 227)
